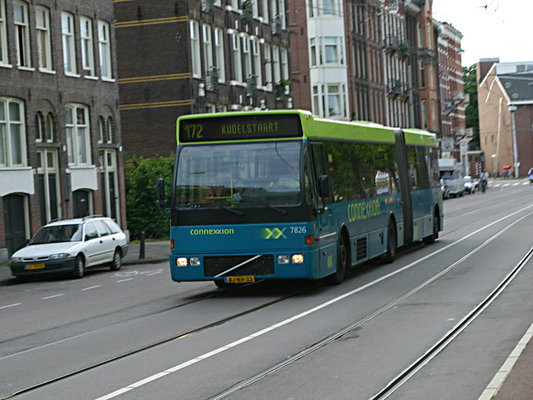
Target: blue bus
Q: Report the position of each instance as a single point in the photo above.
(283, 194)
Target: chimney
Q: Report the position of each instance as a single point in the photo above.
(483, 67)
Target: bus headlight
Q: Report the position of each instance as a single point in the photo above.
(297, 258)
(283, 259)
(194, 261)
(181, 261)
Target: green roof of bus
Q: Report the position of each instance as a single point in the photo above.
(316, 128)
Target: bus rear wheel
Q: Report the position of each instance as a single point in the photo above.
(342, 264)
(431, 238)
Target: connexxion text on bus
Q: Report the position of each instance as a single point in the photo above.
(284, 194)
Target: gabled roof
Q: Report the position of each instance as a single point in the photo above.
(518, 86)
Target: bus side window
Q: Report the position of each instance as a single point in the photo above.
(310, 192)
(320, 166)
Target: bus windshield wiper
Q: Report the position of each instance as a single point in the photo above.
(275, 208)
(234, 211)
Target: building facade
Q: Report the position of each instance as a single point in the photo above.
(196, 56)
(60, 140)
(506, 116)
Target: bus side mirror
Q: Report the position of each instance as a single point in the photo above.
(161, 202)
(324, 186)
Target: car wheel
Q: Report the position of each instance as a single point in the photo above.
(79, 267)
(117, 261)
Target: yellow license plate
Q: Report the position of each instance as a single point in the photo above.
(34, 266)
(240, 279)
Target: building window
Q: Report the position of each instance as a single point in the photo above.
(44, 48)
(236, 57)
(48, 181)
(195, 49)
(208, 48)
(219, 49)
(104, 49)
(268, 68)
(284, 64)
(331, 50)
(110, 130)
(275, 64)
(328, 7)
(78, 135)
(315, 51)
(247, 56)
(22, 34)
(109, 182)
(69, 49)
(3, 34)
(87, 52)
(101, 129)
(256, 50)
(12, 133)
(334, 101)
(422, 75)
(424, 115)
(316, 101)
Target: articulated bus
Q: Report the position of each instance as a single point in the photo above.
(288, 195)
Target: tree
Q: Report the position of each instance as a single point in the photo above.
(141, 195)
(472, 116)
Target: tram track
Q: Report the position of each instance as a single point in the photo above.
(299, 292)
(321, 343)
(407, 373)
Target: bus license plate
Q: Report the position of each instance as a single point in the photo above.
(240, 279)
(34, 266)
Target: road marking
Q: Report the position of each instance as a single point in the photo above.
(10, 305)
(497, 382)
(91, 287)
(154, 273)
(51, 297)
(124, 280)
(525, 183)
(287, 321)
(516, 184)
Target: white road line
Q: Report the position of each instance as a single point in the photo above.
(91, 287)
(10, 305)
(497, 382)
(154, 273)
(124, 280)
(296, 317)
(51, 297)
(525, 183)
(516, 184)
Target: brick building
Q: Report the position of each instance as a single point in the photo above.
(506, 115)
(194, 56)
(60, 142)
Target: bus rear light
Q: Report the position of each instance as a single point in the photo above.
(283, 259)
(171, 243)
(310, 239)
(181, 261)
(297, 258)
(194, 261)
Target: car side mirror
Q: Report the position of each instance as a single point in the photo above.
(161, 202)
(324, 186)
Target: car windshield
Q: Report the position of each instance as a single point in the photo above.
(238, 175)
(58, 234)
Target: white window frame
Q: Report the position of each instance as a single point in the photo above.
(22, 35)
(284, 63)
(207, 46)
(87, 45)
(219, 50)
(194, 36)
(256, 52)
(268, 67)
(44, 46)
(276, 64)
(12, 143)
(78, 135)
(108, 164)
(3, 35)
(247, 55)
(46, 170)
(104, 50)
(236, 56)
(69, 44)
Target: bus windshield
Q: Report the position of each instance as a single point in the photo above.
(238, 175)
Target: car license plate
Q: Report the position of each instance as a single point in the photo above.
(34, 266)
(240, 279)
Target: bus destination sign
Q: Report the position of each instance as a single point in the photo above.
(239, 128)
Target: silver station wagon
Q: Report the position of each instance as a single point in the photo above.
(71, 245)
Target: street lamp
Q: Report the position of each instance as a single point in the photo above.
(512, 110)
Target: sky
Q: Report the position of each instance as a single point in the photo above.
(491, 28)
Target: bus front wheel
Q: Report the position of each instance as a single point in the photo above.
(342, 264)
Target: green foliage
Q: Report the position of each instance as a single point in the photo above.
(141, 196)
(472, 117)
